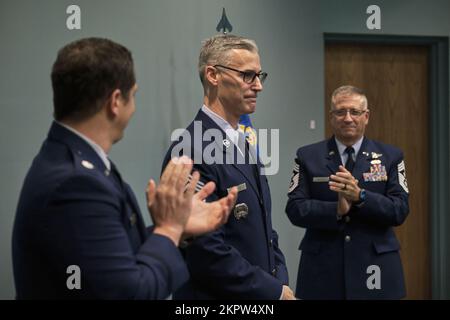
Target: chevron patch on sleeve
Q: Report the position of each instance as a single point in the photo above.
(402, 176)
(295, 179)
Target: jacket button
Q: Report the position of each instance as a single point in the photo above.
(274, 272)
(347, 219)
(347, 238)
(270, 243)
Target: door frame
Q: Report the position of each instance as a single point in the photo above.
(439, 137)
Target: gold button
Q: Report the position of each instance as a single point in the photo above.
(347, 238)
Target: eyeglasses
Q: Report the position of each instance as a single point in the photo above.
(247, 76)
(343, 112)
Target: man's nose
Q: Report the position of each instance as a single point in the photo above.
(257, 85)
(348, 118)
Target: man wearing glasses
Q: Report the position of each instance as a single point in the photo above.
(349, 250)
(77, 214)
(241, 260)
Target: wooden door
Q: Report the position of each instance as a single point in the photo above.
(395, 79)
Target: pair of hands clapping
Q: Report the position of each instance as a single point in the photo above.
(177, 211)
(347, 188)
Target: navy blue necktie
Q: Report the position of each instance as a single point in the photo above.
(349, 165)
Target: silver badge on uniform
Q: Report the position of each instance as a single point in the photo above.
(376, 155)
(321, 179)
(226, 143)
(241, 187)
(240, 211)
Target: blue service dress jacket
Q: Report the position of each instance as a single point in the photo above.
(356, 257)
(73, 211)
(241, 260)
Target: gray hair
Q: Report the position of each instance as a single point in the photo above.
(348, 90)
(215, 50)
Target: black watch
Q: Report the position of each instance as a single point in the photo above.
(362, 196)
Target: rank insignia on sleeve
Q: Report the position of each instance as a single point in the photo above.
(295, 179)
(402, 176)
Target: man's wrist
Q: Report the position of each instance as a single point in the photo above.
(171, 232)
(361, 198)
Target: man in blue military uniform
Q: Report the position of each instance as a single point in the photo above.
(349, 250)
(242, 259)
(75, 211)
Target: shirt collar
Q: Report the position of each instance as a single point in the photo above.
(232, 133)
(100, 152)
(341, 147)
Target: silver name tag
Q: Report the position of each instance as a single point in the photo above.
(321, 179)
(241, 187)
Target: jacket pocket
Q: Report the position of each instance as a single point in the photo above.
(386, 245)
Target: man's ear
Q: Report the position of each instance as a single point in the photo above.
(367, 115)
(211, 75)
(114, 102)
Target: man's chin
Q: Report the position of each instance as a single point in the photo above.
(251, 108)
(346, 135)
(117, 139)
(349, 133)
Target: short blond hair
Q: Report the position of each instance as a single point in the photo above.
(215, 50)
(348, 90)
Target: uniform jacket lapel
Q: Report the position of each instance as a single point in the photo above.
(232, 152)
(362, 163)
(333, 159)
(131, 199)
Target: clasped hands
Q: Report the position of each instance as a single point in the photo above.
(347, 188)
(177, 211)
